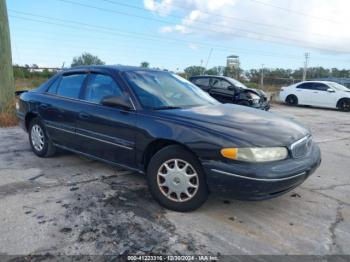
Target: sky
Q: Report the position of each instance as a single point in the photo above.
(174, 34)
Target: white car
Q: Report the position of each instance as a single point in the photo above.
(317, 93)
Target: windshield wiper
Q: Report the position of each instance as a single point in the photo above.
(166, 107)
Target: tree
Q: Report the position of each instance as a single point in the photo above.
(217, 70)
(86, 59)
(144, 64)
(233, 72)
(7, 87)
(194, 70)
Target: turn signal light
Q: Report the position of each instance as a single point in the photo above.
(229, 153)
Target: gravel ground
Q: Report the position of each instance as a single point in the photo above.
(72, 205)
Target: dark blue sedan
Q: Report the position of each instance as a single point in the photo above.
(157, 123)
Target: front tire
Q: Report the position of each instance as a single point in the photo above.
(292, 100)
(176, 179)
(39, 141)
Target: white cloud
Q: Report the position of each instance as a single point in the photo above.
(193, 46)
(162, 8)
(315, 24)
(166, 29)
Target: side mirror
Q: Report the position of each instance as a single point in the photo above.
(117, 101)
(231, 88)
(330, 90)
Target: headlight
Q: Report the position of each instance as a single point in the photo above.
(255, 154)
(255, 98)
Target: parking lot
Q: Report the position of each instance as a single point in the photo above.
(69, 204)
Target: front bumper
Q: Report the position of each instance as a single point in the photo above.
(265, 105)
(21, 119)
(249, 181)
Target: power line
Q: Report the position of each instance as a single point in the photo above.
(248, 51)
(106, 31)
(290, 29)
(295, 11)
(278, 37)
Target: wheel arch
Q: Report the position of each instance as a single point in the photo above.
(28, 118)
(153, 147)
(291, 95)
(340, 100)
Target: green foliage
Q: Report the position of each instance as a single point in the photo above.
(194, 71)
(233, 72)
(145, 64)
(217, 70)
(32, 71)
(86, 59)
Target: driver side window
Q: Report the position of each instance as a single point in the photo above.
(100, 86)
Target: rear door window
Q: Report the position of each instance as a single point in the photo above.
(219, 83)
(53, 87)
(307, 86)
(204, 81)
(70, 85)
(100, 86)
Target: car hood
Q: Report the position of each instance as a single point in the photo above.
(256, 91)
(242, 125)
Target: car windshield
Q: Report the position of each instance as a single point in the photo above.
(164, 90)
(339, 87)
(237, 83)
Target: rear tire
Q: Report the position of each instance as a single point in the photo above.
(292, 100)
(176, 179)
(344, 105)
(39, 141)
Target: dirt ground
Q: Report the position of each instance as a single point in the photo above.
(72, 205)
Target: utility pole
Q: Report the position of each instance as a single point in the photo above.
(201, 73)
(7, 87)
(306, 63)
(262, 77)
(210, 52)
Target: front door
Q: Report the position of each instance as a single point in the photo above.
(102, 131)
(322, 97)
(221, 90)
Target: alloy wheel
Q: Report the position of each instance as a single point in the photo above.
(37, 138)
(177, 180)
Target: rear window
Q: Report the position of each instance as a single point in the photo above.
(70, 85)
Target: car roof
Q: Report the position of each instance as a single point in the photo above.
(212, 76)
(316, 81)
(114, 68)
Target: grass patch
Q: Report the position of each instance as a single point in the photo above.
(27, 84)
(8, 119)
(8, 116)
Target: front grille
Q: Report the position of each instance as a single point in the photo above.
(301, 147)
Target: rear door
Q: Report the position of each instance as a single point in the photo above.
(304, 93)
(221, 90)
(59, 108)
(202, 82)
(103, 131)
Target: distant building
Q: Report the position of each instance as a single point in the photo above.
(340, 80)
(232, 61)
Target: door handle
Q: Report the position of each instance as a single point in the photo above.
(315, 92)
(83, 115)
